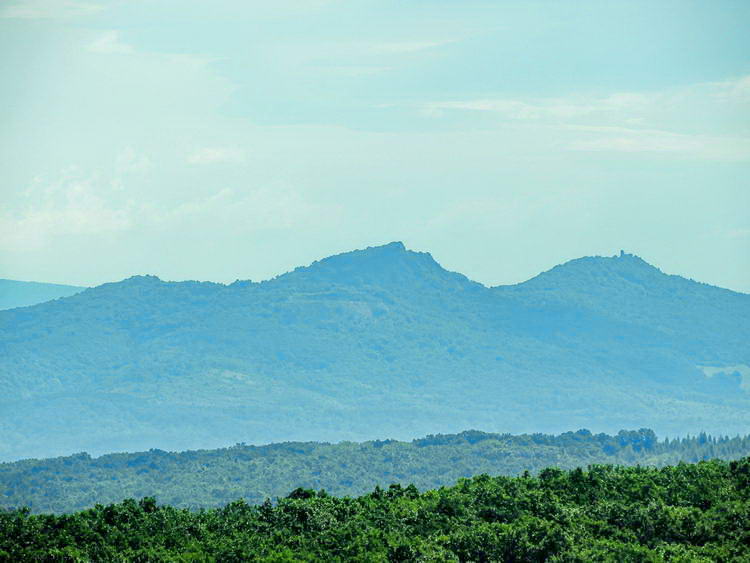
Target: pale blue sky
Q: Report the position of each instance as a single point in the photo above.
(222, 140)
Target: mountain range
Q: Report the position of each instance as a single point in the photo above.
(375, 343)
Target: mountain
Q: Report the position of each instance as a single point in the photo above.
(23, 293)
(375, 343)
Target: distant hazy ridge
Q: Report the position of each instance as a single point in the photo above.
(22, 293)
(376, 343)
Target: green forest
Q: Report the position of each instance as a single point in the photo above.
(213, 478)
(687, 512)
(376, 343)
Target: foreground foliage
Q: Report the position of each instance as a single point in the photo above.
(210, 478)
(697, 512)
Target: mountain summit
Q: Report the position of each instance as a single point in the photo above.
(593, 271)
(390, 265)
(369, 344)
(627, 288)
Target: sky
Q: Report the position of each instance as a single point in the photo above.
(237, 140)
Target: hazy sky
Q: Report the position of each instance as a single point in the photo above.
(222, 140)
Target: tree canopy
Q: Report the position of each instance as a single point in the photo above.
(211, 478)
(688, 512)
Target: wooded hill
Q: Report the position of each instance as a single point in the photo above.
(372, 343)
(696, 513)
(211, 478)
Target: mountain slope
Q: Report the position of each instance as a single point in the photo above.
(628, 289)
(372, 343)
(22, 293)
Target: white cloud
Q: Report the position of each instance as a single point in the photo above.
(738, 89)
(621, 139)
(264, 208)
(634, 140)
(217, 155)
(344, 57)
(109, 43)
(553, 108)
(704, 120)
(129, 160)
(47, 9)
(739, 233)
(407, 46)
(73, 205)
(285, 8)
(617, 106)
(354, 70)
(92, 205)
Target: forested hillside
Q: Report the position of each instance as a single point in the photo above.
(212, 478)
(684, 513)
(372, 343)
